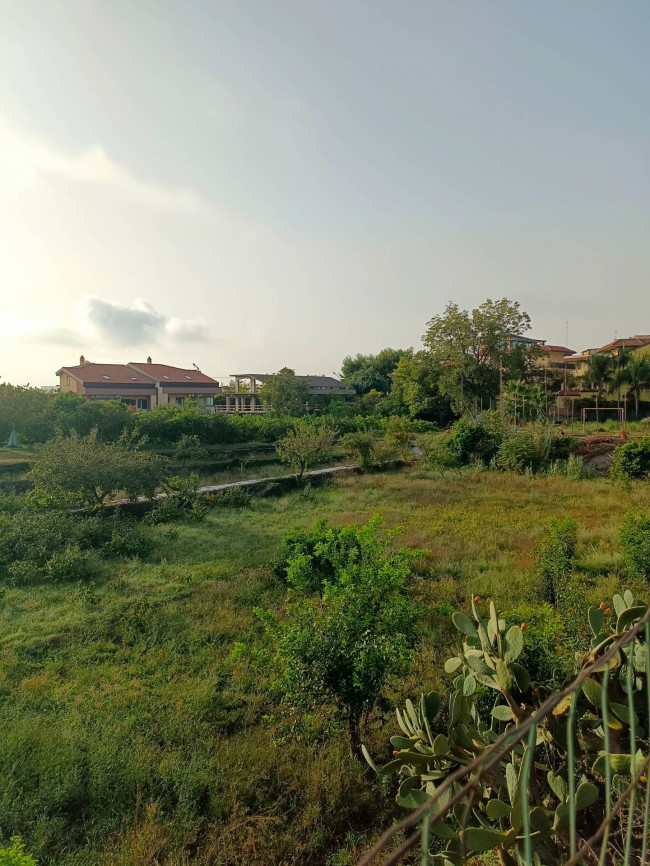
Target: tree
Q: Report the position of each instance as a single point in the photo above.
(470, 346)
(619, 365)
(89, 471)
(636, 376)
(26, 409)
(598, 374)
(72, 413)
(344, 645)
(416, 381)
(284, 393)
(309, 442)
(367, 373)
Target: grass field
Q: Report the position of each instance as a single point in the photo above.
(134, 735)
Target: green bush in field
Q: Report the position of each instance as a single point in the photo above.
(439, 454)
(15, 855)
(182, 501)
(634, 539)
(472, 443)
(343, 646)
(517, 452)
(309, 559)
(632, 460)
(53, 546)
(189, 447)
(92, 471)
(232, 497)
(554, 555)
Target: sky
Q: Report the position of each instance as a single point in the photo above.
(253, 184)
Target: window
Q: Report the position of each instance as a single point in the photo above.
(134, 378)
(143, 403)
(105, 377)
(67, 380)
(188, 377)
(165, 377)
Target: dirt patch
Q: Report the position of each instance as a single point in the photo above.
(598, 451)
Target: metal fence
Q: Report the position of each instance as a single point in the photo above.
(622, 828)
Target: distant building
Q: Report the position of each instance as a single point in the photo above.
(140, 385)
(247, 386)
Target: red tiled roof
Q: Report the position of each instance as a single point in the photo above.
(164, 373)
(562, 349)
(118, 374)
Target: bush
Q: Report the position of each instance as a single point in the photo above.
(232, 497)
(92, 471)
(554, 555)
(632, 460)
(181, 501)
(472, 443)
(439, 454)
(344, 646)
(15, 854)
(189, 447)
(517, 453)
(317, 551)
(634, 539)
(54, 546)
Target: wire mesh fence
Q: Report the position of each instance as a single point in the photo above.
(603, 816)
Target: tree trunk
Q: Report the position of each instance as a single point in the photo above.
(597, 415)
(636, 405)
(355, 735)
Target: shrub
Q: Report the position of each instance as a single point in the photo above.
(554, 555)
(72, 564)
(634, 539)
(311, 555)
(307, 443)
(15, 854)
(400, 437)
(92, 471)
(344, 646)
(50, 545)
(517, 452)
(361, 444)
(472, 443)
(439, 453)
(189, 447)
(181, 501)
(232, 497)
(632, 460)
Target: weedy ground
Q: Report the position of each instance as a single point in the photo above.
(138, 725)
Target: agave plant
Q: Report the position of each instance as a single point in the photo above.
(525, 804)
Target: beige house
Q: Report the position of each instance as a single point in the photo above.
(140, 385)
(245, 396)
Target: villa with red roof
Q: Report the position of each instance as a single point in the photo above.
(140, 385)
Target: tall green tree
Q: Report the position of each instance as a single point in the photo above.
(598, 375)
(618, 375)
(367, 373)
(470, 346)
(417, 384)
(285, 394)
(637, 378)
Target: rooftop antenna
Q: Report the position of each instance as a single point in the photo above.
(195, 366)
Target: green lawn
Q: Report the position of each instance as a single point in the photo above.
(131, 734)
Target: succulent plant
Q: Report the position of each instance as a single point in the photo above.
(425, 754)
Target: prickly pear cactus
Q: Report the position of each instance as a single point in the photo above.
(426, 752)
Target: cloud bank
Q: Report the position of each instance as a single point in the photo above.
(134, 325)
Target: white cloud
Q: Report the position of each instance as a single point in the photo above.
(134, 325)
(17, 328)
(25, 163)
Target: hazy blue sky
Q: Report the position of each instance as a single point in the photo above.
(248, 184)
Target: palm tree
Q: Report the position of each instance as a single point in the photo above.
(637, 377)
(598, 374)
(620, 363)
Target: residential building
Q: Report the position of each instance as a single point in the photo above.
(247, 386)
(141, 386)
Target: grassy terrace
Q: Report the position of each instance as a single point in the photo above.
(134, 735)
